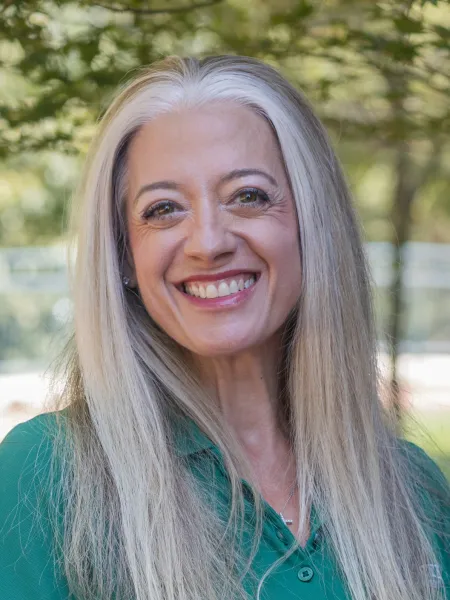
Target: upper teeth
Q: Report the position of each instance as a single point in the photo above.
(224, 288)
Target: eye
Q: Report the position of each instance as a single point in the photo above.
(160, 211)
(252, 197)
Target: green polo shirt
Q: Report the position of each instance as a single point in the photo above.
(26, 561)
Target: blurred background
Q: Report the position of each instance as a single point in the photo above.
(378, 75)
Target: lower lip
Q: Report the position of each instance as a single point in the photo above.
(221, 301)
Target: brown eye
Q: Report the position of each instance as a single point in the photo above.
(162, 210)
(252, 197)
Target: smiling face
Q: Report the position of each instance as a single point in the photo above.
(212, 228)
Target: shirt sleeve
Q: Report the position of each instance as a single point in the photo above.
(434, 491)
(27, 565)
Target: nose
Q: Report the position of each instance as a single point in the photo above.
(209, 237)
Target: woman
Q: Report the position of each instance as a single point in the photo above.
(221, 434)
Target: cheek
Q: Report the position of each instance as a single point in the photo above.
(281, 247)
(151, 261)
(146, 267)
(150, 281)
(151, 252)
(286, 262)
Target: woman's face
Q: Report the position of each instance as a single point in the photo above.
(212, 228)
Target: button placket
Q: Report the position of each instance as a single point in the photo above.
(318, 538)
(281, 536)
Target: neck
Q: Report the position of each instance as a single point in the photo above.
(246, 388)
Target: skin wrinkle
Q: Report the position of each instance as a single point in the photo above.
(236, 351)
(173, 185)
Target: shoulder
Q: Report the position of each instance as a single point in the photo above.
(27, 449)
(25, 464)
(432, 493)
(424, 471)
(25, 461)
(28, 436)
(26, 534)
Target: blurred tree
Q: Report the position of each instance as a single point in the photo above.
(379, 70)
(378, 73)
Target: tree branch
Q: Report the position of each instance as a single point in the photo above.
(156, 11)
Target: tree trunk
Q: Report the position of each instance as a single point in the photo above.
(410, 178)
(401, 219)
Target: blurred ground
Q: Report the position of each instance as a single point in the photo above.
(426, 395)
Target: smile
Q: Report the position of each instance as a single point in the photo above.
(219, 289)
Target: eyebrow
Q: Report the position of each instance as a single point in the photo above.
(173, 185)
(237, 173)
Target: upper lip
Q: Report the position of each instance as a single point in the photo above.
(215, 276)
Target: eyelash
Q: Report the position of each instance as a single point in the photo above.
(150, 213)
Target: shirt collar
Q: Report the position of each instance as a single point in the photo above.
(189, 438)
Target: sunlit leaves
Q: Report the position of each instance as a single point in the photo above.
(376, 71)
(408, 25)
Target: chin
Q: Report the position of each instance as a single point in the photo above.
(220, 347)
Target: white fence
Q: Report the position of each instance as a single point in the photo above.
(35, 303)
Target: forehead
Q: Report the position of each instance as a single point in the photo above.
(213, 138)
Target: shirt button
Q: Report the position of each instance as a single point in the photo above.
(305, 574)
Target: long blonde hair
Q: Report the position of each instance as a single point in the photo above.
(135, 523)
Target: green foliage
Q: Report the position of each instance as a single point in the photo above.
(32, 207)
(30, 329)
(73, 55)
(406, 25)
(376, 71)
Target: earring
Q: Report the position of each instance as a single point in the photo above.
(126, 281)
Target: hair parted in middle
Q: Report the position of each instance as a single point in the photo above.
(136, 523)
